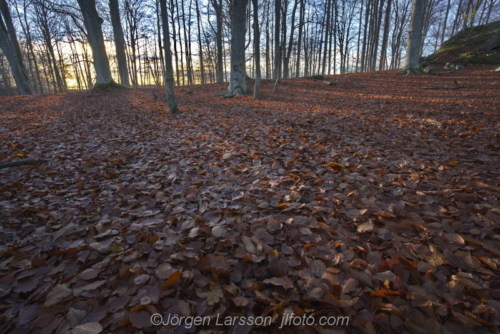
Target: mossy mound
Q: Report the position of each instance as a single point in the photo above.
(475, 45)
(107, 87)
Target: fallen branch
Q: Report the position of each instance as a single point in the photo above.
(23, 162)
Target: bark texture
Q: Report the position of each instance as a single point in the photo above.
(93, 24)
(121, 58)
(169, 71)
(413, 48)
(238, 82)
(256, 37)
(10, 47)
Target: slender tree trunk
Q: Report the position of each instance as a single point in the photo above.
(121, 57)
(326, 35)
(268, 47)
(365, 37)
(174, 43)
(10, 47)
(457, 18)
(200, 47)
(256, 40)
(443, 33)
(187, 43)
(169, 71)
(277, 53)
(383, 56)
(93, 24)
(286, 61)
(359, 34)
(237, 83)
(299, 41)
(160, 46)
(376, 35)
(180, 42)
(218, 16)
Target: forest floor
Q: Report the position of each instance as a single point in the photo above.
(377, 199)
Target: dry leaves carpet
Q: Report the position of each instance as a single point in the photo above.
(373, 198)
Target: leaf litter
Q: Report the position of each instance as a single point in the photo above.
(378, 201)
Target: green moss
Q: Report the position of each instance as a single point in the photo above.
(108, 86)
(471, 43)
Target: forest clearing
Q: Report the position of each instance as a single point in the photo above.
(372, 196)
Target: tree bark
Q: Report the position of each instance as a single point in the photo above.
(299, 41)
(256, 40)
(121, 58)
(415, 35)
(218, 16)
(385, 38)
(93, 24)
(169, 71)
(10, 47)
(277, 53)
(238, 84)
(200, 47)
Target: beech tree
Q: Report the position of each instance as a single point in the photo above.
(238, 82)
(256, 40)
(121, 58)
(93, 23)
(169, 71)
(413, 48)
(10, 47)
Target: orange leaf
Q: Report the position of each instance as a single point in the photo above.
(173, 279)
(264, 183)
(384, 292)
(153, 239)
(318, 181)
(335, 165)
(136, 308)
(282, 205)
(452, 163)
(202, 172)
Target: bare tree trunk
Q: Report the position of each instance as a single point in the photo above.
(121, 57)
(174, 43)
(200, 47)
(180, 40)
(299, 42)
(43, 21)
(327, 35)
(286, 60)
(169, 71)
(383, 56)
(365, 38)
(218, 16)
(256, 40)
(376, 35)
(10, 47)
(457, 18)
(415, 35)
(277, 53)
(187, 43)
(160, 46)
(93, 24)
(445, 21)
(268, 41)
(237, 83)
